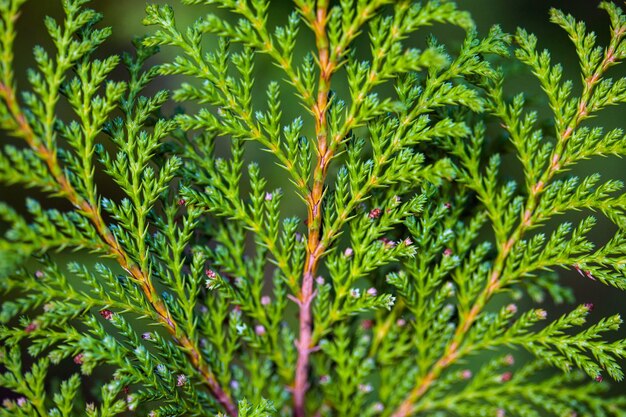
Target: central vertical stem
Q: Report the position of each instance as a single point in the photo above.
(314, 206)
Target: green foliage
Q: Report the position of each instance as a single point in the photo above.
(389, 233)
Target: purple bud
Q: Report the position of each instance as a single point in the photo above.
(365, 388)
(372, 292)
(511, 308)
(268, 196)
(106, 314)
(39, 274)
(265, 300)
(375, 213)
(181, 380)
(320, 281)
(21, 402)
(348, 252)
(259, 330)
(466, 374)
(506, 377)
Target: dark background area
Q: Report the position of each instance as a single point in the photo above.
(125, 18)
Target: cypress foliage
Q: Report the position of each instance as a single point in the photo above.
(378, 281)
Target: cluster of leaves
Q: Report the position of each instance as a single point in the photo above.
(410, 231)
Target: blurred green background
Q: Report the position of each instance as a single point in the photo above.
(125, 18)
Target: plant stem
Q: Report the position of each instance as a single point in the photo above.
(314, 205)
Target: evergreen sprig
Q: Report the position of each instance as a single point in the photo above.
(396, 242)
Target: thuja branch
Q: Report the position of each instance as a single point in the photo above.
(93, 213)
(20, 127)
(529, 217)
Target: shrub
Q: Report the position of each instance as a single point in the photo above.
(377, 280)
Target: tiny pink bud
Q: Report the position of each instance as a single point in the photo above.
(466, 374)
(31, 327)
(379, 407)
(234, 384)
(181, 202)
(324, 379)
(400, 322)
(146, 336)
(181, 380)
(509, 360)
(39, 274)
(511, 308)
(265, 300)
(387, 242)
(78, 359)
(130, 400)
(447, 252)
(375, 213)
(268, 196)
(578, 269)
(589, 306)
(367, 324)
(348, 252)
(372, 292)
(259, 330)
(320, 281)
(408, 241)
(447, 205)
(506, 377)
(500, 412)
(210, 273)
(541, 314)
(599, 378)
(21, 402)
(106, 314)
(365, 388)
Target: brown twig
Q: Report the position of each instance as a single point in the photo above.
(314, 202)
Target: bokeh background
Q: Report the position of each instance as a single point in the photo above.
(125, 17)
